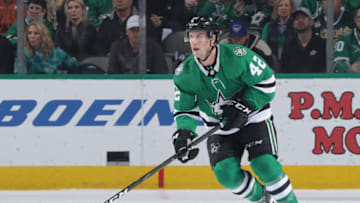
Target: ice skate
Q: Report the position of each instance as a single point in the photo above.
(266, 197)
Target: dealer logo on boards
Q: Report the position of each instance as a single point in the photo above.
(337, 141)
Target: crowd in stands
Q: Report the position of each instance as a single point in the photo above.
(62, 36)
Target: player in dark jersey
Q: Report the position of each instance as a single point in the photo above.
(232, 86)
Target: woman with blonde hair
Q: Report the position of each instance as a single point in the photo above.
(40, 54)
(281, 28)
(77, 37)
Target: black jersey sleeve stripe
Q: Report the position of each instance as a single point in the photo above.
(266, 85)
(191, 113)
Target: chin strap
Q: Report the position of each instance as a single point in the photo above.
(207, 56)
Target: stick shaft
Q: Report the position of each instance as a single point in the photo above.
(159, 167)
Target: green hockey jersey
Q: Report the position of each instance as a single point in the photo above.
(347, 51)
(199, 91)
(343, 23)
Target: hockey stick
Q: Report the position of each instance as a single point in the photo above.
(159, 167)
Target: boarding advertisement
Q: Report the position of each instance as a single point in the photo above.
(69, 122)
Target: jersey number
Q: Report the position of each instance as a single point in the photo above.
(257, 69)
(340, 46)
(177, 94)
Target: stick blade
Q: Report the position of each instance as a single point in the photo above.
(117, 196)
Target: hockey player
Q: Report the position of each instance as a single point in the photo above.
(347, 50)
(231, 85)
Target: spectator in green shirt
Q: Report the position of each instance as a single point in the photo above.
(97, 8)
(225, 11)
(36, 11)
(347, 49)
(41, 57)
(342, 20)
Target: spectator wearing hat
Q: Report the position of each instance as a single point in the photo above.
(239, 34)
(124, 53)
(306, 53)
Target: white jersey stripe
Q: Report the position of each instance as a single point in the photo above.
(278, 184)
(268, 81)
(242, 186)
(266, 90)
(269, 128)
(284, 193)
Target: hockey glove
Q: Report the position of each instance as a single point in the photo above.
(181, 139)
(235, 113)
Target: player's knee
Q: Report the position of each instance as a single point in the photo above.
(228, 173)
(267, 168)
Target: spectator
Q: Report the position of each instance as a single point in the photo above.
(51, 6)
(165, 14)
(225, 11)
(7, 56)
(40, 54)
(239, 34)
(124, 54)
(347, 49)
(57, 17)
(351, 6)
(78, 37)
(261, 16)
(155, 16)
(113, 25)
(280, 29)
(314, 7)
(191, 8)
(8, 10)
(180, 12)
(176, 11)
(36, 11)
(342, 20)
(97, 8)
(55, 13)
(307, 52)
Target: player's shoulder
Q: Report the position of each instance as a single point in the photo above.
(185, 70)
(235, 50)
(235, 53)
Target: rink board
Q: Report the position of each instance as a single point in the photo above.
(172, 177)
(57, 133)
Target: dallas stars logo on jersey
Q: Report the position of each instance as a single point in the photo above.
(218, 103)
(239, 51)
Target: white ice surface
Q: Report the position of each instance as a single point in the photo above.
(166, 196)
